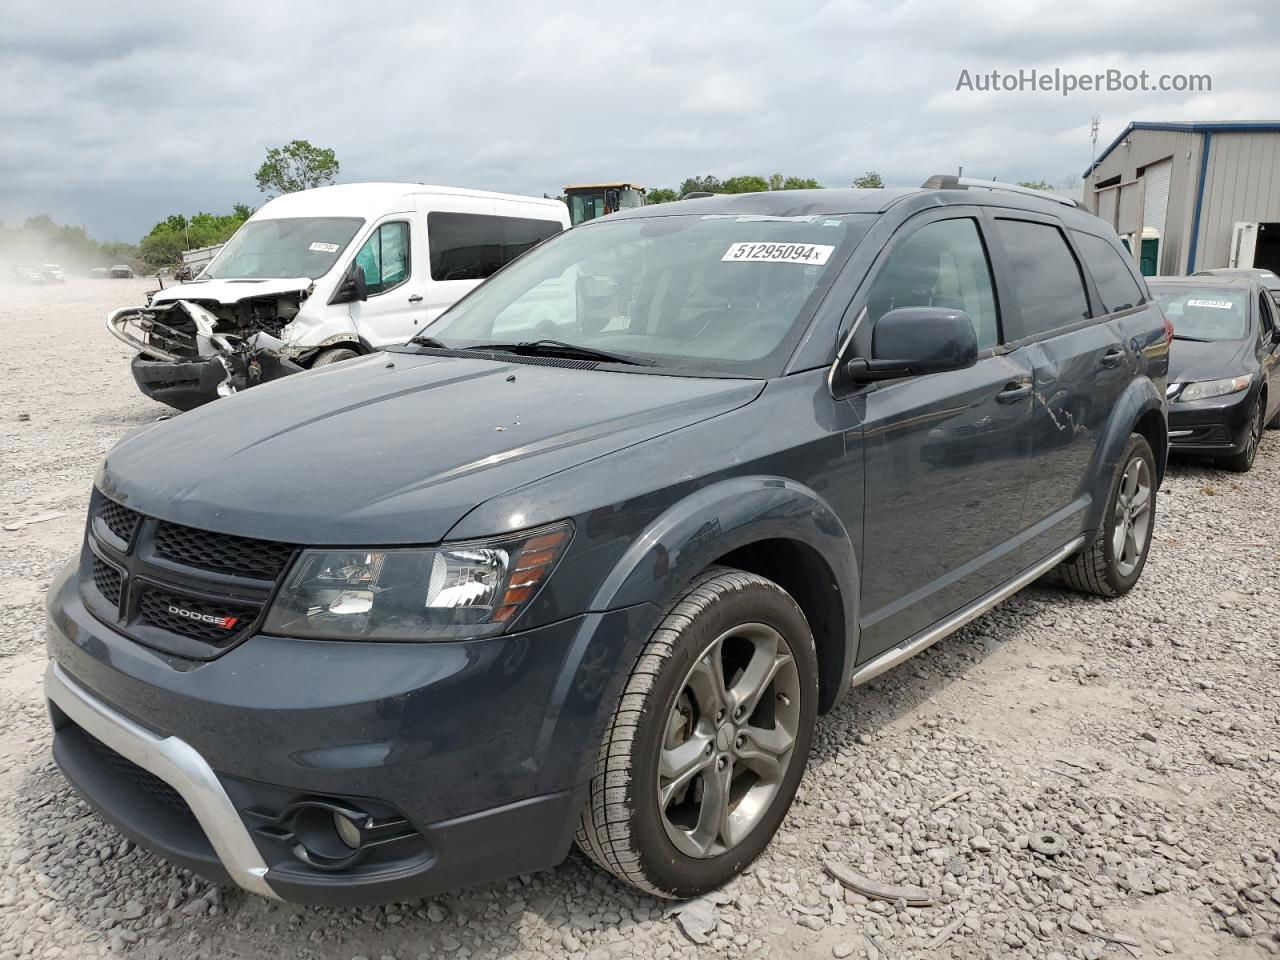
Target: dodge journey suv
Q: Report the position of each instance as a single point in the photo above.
(586, 558)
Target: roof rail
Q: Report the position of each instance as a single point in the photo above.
(943, 181)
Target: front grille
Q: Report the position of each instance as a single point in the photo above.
(120, 520)
(221, 552)
(144, 780)
(107, 579)
(156, 609)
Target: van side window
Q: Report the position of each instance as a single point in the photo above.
(1111, 275)
(1045, 275)
(943, 264)
(470, 246)
(384, 258)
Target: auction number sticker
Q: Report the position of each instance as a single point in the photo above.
(321, 247)
(814, 254)
(1215, 304)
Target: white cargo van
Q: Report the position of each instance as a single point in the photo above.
(324, 275)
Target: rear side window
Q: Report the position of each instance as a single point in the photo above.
(384, 258)
(943, 264)
(1045, 275)
(1265, 315)
(1111, 275)
(471, 246)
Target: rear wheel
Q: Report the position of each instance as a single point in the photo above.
(1111, 564)
(1242, 462)
(707, 746)
(333, 355)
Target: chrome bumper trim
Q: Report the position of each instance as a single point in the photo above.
(176, 763)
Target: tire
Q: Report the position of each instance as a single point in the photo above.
(1095, 568)
(333, 355)
(732, 617)
(1242, 462)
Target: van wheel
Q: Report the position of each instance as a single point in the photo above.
(1113, 562)
(333, 355)
(705, 750)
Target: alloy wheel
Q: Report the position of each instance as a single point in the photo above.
(729, 740)
(1255, 433)
(1132, 516)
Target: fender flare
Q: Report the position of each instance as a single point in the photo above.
(1138, 399)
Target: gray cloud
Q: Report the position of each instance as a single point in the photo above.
(116, 115)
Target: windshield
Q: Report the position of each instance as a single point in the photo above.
(715, 294)
(1203, 313)
(287, 247)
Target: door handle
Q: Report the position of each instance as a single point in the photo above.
(416, 298)
(1013, 392)
(1113, 357)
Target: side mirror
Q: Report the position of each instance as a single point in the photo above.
(353, 286)
(913, 341)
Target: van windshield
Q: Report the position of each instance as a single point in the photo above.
(287, 247)
(717, 294)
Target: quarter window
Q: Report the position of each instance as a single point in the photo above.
(469, 246)
(384, 258)
(1111, 275)
(1045, 275)
(943, 264)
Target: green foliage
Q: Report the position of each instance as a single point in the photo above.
(168, 238)
(41, 240)
(1036, 184)
(869, 181)
(707, 184)
(296, 166)
(661, 195)
(745, 184)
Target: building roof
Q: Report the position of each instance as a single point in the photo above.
(1187, 126)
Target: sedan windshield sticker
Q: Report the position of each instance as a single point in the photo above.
(807, 253)
(320, 247)
(1215, 304)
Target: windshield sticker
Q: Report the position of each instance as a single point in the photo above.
(320, 247)
(1215, 304)
(808, 253)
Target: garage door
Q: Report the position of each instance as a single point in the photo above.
(1156, 200)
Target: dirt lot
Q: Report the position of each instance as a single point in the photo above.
(1144, 734)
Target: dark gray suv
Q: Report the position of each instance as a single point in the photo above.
(589, 556)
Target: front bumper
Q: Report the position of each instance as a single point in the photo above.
(1217, 426)
(480, 749)
(187, 384)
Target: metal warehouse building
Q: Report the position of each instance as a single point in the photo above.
(1191, 196)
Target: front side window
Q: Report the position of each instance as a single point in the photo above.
(1111, 275)
(1045, 276)
(942, 264)
(1265, 315)
(1203, 313)
(283, 248)
(470, 246)
(701, 294)
(384, 258)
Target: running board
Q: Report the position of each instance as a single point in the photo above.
(931, 635)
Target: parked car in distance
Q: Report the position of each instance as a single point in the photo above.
(1265, 277)
(26, 275)
(99, 273)
(419, 620)
(53, 273)
(121, 271)
(321, 276)
(1224, 384)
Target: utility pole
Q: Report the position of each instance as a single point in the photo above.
(1093, 135)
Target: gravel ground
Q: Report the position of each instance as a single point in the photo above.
(1068, 777)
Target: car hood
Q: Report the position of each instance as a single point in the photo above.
(393, 448)
(231, 291)
(1192, 360)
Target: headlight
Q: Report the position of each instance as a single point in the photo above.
(1205, 389)
(456, 590)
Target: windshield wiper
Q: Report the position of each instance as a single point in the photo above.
(425, 341)
(558, 348)
(1183, 336)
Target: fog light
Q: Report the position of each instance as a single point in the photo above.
(348, 832)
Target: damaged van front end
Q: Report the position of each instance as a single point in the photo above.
(200, 341)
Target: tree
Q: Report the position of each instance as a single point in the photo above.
(869, 181)
(744, 184)
(296, 166)
(798, 183)
(661, 195)
(1036, 184)
(176, 233)
(707, 184)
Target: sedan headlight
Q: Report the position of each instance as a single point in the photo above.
(1206, 389)
(456, 590)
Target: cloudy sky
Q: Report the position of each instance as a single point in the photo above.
(116, 114)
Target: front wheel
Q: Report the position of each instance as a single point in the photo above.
(1242, 462)
(333, 355)
(707, 746)
(1111, 564)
